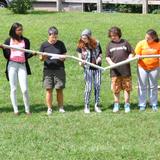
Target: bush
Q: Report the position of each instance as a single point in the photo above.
(124, 8)
(20, 6)
(156, 11)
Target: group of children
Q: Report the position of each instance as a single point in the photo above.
(119, 50)
(89, 50)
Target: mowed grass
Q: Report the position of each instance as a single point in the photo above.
(74, 135)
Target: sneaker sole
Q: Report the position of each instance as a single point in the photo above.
(115, 111)
(86, 112)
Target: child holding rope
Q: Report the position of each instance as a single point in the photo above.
(89, 50)
(148, 70)
(17, 66)
(119, 50)
(54, 70)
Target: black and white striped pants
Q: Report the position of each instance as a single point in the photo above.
(92, 76)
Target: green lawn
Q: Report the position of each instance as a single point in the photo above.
(74, 135)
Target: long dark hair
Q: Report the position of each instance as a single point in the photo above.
(12, 32)
(153, 34)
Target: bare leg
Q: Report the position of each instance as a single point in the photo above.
(49, 98)
(116, 97)
(126, 97)
(60, 100)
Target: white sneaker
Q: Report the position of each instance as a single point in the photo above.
(61, 110)
(86, 110)
(127, 108)
(97, 109)
(116, 108)
(154, 108)
(49, 111)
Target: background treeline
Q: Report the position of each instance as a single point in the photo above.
(123, 8)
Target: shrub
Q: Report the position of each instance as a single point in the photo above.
(20, 6)
(156, 11)
(124, 8)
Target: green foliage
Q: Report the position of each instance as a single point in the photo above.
(124, 9)
(130, 8)
(156, 11)
(20, 6)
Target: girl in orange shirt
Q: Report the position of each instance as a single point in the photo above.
(148, 70)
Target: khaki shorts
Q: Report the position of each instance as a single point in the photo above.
(54, 79)
(121, 83)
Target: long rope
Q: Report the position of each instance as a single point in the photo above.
(121, 63)
(130, 60)
(57, 56)
(53, 56)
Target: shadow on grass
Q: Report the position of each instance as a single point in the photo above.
(6, 109)
(37, 108)
(34, 108)
(73, 108)
(133, 106)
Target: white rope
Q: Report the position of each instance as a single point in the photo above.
(121, 63)
(130, 60)
(53, 56)
(57, 56)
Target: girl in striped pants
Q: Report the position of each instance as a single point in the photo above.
(90, 50)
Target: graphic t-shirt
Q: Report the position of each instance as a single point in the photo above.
(117, 52)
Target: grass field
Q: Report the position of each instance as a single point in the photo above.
(74, 135)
